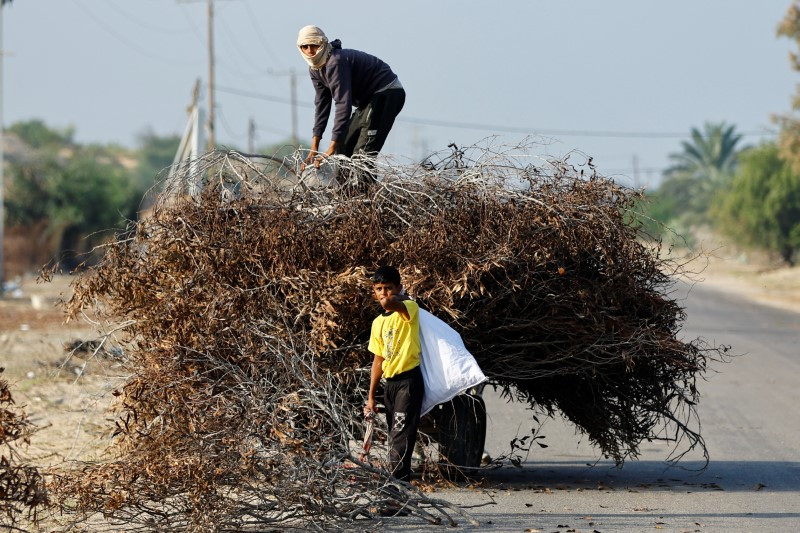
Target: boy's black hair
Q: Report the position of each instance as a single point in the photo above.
(386, 274)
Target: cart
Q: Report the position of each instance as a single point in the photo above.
(459, 429)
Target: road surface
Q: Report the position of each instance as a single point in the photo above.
(750, 420)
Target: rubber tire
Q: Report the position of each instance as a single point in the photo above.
(462, 435)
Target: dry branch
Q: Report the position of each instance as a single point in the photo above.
(22, 490)
(248, 306)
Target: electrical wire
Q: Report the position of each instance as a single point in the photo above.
(203, 39)
(260, 96)
(252, 18)
(566, 133)
(507, 129)
(285, 134)
(226, 126)
(197, 31)
(243, 136)
(242, 52)
(143, 24)
(127, 42)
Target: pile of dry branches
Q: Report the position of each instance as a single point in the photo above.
(247, 308)
(22, 490)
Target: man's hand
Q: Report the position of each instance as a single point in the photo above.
(315, 156)
(312, 154)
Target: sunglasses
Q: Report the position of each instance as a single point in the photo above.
(307, 46)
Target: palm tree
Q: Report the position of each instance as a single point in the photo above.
(705, 164)
(709, 155)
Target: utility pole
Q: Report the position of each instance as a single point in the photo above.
(211, 120)
(293, 85)
(211, 139)
(635, 171)
(292, 73)
(251, 133)
(2, 159)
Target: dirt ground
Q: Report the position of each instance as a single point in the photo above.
(68, 397)
(65, 397)
(755, 276)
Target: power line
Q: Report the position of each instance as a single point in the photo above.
(283, 133)
(565, 133)
(292, 73)
(202, 40)
(508, 129)
(227, 126)
(242, 52)
(142, 23)
(197, 31)
(630, 170)
(261, 96)
(252, 18)
(126, 41)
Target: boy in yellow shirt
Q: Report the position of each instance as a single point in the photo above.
(394, 342)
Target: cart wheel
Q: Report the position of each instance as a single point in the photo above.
(462, 435)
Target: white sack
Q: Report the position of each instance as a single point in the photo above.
(447, 367)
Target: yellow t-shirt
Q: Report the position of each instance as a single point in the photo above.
(397, 340)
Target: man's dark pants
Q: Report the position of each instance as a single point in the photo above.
(370, 125)
(403, 401)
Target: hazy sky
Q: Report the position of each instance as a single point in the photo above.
(618, 80)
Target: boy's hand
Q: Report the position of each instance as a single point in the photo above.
(370, 409)
(390, 302)
(394, 303)
(386, 301)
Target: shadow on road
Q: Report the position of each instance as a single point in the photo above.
(767, 476)
(640, 520)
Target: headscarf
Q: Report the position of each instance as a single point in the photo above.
(314, 35)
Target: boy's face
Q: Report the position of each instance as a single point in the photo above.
(384, 291)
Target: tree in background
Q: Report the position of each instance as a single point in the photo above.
(155, 153)
(762, 207)
(789, 138)
(70, 203)
(662, 208)
(62, 197)
(704, 166)
(37, 135)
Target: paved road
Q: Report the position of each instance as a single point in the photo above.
(750, 420)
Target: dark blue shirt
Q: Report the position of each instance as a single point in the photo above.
(349, 78)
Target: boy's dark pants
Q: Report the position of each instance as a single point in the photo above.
(403, 400)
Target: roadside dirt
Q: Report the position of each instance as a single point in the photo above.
(752, 276)
(65, 397)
